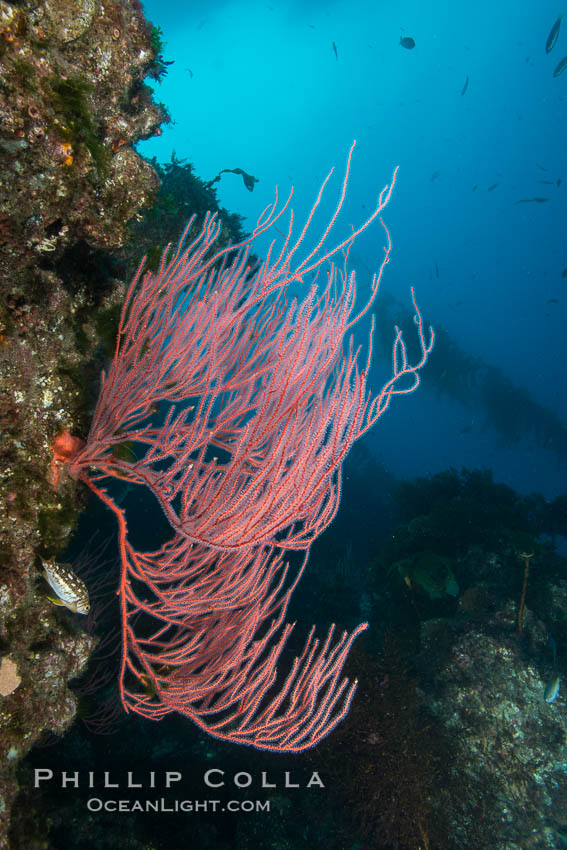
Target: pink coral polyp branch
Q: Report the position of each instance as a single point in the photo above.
(242, 403)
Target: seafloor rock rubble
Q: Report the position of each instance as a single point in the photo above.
(487, 693)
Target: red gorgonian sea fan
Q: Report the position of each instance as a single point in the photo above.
(242, 404)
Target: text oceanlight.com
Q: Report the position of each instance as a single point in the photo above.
(95, 804)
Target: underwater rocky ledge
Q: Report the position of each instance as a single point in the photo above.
(73, 101)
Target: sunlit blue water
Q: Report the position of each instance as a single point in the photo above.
(267, 94)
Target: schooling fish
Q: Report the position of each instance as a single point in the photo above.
(70, 589)
(466, 85)
(532, 201)
(553, 35)
(407, 42)
(335, 51)
(560, 67)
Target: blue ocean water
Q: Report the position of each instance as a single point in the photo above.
(280, 89)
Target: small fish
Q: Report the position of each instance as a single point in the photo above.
(493, 187)
(552, 37)
(542, 167)
(435, 175)
(407, 42)
(546, 182)
(564, 273)
(553, 646)
(560, 67)
(552, 301)
(190, 72)
(475, 187)
(70, 589)
(437, 271)
(466, 85)
(335, 51)
(551, 691)
(532, 201)
(559, 182)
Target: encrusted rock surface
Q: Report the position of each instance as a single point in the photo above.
(72, 103)
(509, 743)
